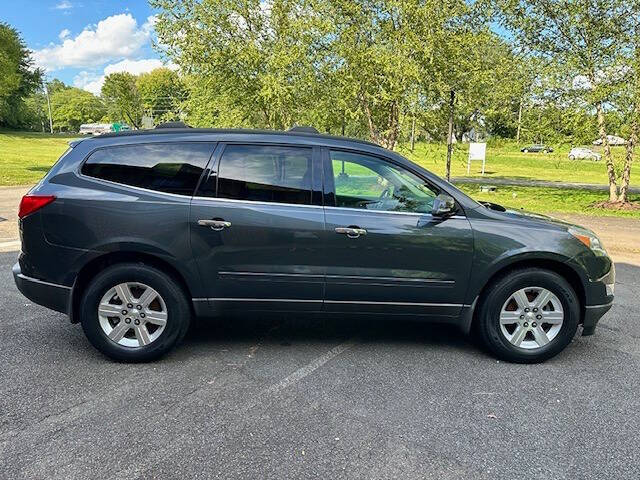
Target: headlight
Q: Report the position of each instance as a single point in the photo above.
(589, 239)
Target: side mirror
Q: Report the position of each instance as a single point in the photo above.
(443, 205)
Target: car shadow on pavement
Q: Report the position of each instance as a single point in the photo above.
(289, 329)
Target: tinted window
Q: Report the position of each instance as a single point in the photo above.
(265, 173)
(371, 183)
(171, 168)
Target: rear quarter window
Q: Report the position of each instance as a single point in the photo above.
(170, 168)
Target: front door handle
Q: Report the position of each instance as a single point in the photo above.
(351, 232)
(216, 225)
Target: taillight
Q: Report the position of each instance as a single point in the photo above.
(32, 203)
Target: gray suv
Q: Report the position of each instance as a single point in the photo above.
(134, 234)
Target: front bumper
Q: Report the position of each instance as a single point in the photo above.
(592, 315)
(50, 295)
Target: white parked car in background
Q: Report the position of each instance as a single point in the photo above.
(613, 140)
(580, 153)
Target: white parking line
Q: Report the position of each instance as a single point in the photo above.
(298, 375)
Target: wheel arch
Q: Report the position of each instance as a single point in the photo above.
(561, 268)
(97, 264)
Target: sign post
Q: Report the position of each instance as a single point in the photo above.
(477, 151)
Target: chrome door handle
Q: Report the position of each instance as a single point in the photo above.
(351, 232)
(216, 225)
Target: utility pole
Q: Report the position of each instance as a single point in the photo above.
(519, 121)
(46, 91)
(452, 102)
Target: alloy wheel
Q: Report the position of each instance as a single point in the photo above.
(531, 317)
(132, 314)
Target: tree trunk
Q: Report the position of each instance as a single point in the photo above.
(452, 100)
(519, 122)
(613, 187)
(413, 132)
(628, 159)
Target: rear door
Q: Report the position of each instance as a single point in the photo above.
(385, 252)
(256, 228)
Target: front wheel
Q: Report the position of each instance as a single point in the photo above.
(134, 313)
(528, 315)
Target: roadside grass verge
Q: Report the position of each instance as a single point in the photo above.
(548, 200)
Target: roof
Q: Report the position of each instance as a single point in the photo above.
(200, 131)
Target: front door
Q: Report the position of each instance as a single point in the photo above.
(385, 251)
(256, 234)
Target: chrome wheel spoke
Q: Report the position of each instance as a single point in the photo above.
(147, 297)
(124, 293)
(157, 318)
(542, 299)
(119, 331)
(521, 299)
(553, 318)
(509, 317)
(142, 335)
(109, 310)
(541, 336)
(518, 335)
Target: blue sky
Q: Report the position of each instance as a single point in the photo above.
(79, 41)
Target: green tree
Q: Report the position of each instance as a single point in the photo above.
(122, 97)
(18, 79)
(162, 93)
(586, 42)
(255, 57)
(71, 107)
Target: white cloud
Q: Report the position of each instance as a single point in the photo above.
(64, 34)
(92, 82)
(118, 36)
(63, 5)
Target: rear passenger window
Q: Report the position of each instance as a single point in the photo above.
(170, 168)
(266, 173)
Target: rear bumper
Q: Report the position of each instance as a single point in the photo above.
(50, 295)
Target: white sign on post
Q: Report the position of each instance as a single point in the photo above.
(477, 151)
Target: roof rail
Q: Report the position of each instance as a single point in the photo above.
(303, 129)
(173, 125)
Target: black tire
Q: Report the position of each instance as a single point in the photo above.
(572, 157)
(178, 311)
(487, 324)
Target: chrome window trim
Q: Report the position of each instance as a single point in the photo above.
(255, 202)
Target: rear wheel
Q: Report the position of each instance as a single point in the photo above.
(134, 313)
(528, 315)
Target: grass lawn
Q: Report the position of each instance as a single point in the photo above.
(549, 200)
(504, 160)
(26, 157)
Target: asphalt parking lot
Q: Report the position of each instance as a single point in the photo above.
(317, 398)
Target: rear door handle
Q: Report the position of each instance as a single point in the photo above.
(351, 232)
(216, 225)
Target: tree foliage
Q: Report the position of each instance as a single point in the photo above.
(120, 92)
(18, 79)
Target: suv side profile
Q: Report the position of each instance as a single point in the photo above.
(134, 234)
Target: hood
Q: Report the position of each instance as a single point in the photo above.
(527, 216)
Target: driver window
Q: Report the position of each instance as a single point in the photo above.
(370, 183)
